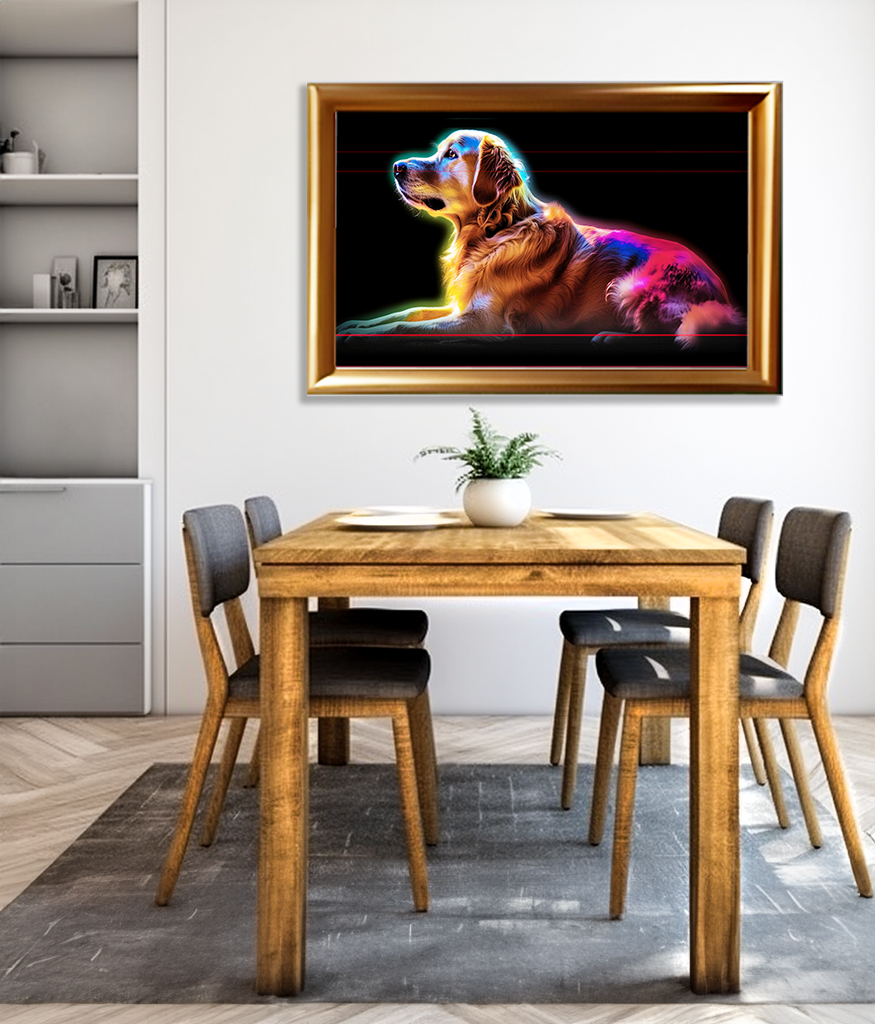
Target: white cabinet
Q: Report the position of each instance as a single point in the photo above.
(75, 547)
(74, 597)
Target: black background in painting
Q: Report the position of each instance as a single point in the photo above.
(671, 175)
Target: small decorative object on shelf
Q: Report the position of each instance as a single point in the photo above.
(7, 145)
(496, 493)
(115, 282)
(65, 282)
(29, 161)
(42, 291)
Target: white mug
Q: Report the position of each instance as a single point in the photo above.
(19, 163)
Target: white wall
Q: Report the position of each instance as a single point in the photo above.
(239, 421)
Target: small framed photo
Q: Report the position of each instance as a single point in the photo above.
(115, 282)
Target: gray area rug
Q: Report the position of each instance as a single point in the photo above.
(519, 901)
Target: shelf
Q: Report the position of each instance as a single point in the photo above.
(72, 28)
(68, 316)
(68, 189)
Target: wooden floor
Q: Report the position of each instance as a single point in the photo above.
(57, 775)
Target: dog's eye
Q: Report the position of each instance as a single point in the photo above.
(451, 154)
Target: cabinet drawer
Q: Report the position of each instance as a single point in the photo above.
(58, 604)
(77, 679)
(70, 522)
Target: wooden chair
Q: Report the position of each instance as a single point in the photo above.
(347, 682)
(743, 521)
(335, 624)
(810, 568)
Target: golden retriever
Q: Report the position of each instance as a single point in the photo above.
(518, 266)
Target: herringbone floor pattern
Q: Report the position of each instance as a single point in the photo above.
(57, 775)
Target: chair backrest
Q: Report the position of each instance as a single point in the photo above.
(263, 520)
(220, 553)
(811, 557)
(810, 570)
(748, 523)
(217, 555)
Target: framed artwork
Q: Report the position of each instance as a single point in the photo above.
(115, 282)
(544, 238)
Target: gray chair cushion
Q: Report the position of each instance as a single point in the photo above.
(811, 553)
(243, 684)
(746, 522)
(220, 547)
(377, 627)
(264, 519)
(613, 626)
(387, 673)
(647, 674)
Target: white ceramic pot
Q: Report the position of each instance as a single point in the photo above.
(19, 163)
(497, 502)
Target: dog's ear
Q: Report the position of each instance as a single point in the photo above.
(496, 172)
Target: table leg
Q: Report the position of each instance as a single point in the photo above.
(282, 856)
(715, 905)
(333, 742)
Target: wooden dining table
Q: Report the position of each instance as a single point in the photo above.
(641, 555)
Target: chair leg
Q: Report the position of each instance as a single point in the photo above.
(200, 762)
(563, 692)
(407, 789)
(254, 762)
(753, 750)
(800, 776)
(626, 779)
(611, 709)
(771, 765)
(835, 776)
(223, 777)
(422, 738)
(572, 734)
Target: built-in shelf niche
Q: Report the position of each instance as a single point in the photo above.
(68, 377)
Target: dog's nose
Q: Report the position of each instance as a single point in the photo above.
(400, 168)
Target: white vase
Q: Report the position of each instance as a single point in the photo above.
(489, 502)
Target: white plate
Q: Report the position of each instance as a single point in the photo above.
(585, 513)
(409, 521)
(400, 510)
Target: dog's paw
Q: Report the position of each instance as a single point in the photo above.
(353, 326)
(608, 338)
(364, 328)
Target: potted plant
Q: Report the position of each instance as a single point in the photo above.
(496, 493)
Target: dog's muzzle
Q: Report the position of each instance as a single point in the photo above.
(401, 171)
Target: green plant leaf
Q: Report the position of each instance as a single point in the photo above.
(491, 455)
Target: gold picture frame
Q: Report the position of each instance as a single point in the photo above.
(342, 241)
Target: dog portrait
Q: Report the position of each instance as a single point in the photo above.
(578, 248)
(518, 266)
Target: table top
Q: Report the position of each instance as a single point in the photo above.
(642, 538)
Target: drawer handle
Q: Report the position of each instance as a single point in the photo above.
(31, 488)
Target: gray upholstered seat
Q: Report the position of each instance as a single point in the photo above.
(743, 521)
(387, 673)
(345, 681)
(384, 627)
(638, 674)
(389, 627)
(599, 628)
(644, 682)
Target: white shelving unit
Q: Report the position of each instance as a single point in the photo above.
(70, 379)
